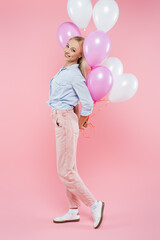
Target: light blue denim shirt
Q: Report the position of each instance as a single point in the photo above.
(67, 88)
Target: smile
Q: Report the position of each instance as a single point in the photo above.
(66, 55)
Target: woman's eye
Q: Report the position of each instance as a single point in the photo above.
(72, 49)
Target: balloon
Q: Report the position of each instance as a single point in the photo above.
(124, 87)
(99, 82)
(114, 65)
(96, 47)
(105, 14)
(80, 11)
(65, 31)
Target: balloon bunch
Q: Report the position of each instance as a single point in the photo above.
(106, 75)
(105, 13)
(125, 85)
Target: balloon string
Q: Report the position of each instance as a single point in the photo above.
(92, 114)
(107, 101)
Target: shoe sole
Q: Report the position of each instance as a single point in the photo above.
(74, 220)
(101, 215)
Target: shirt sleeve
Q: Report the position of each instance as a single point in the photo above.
(81, 89)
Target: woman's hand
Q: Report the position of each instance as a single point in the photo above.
(86, 124)
(83, 123)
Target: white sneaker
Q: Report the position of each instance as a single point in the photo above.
(68, 217)
(97, 214)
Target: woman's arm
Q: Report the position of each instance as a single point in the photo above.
(81, 89)
(82, 119)
(84, 95)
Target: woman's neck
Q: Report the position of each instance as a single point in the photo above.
(67, 65)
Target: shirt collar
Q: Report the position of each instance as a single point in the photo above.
(72, 66)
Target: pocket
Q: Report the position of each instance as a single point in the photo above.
(59, 122)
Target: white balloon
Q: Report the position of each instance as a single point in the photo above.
(114, 65)
(105, 14)
(124, 88)
(124, 85)
(80, 11)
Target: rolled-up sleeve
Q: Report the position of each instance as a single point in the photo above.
(81, 89)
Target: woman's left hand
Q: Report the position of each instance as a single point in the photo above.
(85, 124)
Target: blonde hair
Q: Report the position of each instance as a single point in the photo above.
(83, 65)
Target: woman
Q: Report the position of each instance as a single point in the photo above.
(67, 88)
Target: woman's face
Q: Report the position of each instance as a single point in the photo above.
(72, 51)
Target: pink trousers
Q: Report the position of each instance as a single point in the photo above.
(67, 133)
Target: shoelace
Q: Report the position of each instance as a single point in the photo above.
(71, 213)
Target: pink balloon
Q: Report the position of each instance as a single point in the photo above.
(65, 31)
(96, 47)
(99, 82)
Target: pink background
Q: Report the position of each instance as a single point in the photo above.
(119, 162)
